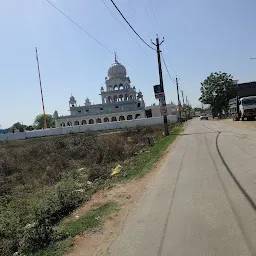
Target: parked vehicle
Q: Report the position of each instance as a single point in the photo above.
(204, 117)
(244, 105)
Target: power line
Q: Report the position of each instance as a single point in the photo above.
(120, 22)
(87, 33)
(153, 13)
(131, 6)
(123, 26)
(167, 69)
(80, 27)
(158, 24)
(147, 13)
(152, 10)
(131, 26)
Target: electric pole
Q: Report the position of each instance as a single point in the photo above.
(187, 104)
(184, 105)
(45, 125)
(178, 94)
(162, 101)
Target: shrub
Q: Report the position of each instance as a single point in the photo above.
(7, 247)
(55, 202)
(36, 235)
(98, 172)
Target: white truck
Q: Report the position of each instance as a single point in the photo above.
(244, 105)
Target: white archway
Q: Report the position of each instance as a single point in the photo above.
(121, 118)
(106, 120)
(113, 119)
(129, 117)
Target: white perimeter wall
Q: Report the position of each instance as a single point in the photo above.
(88, 127)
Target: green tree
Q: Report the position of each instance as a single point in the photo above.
(18, 126)
(198, 110)
(216, 90)
(39, 121)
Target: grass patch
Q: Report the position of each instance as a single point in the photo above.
(88, 222)
(144, 161)
(71, 227)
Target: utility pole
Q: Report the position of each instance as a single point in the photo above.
(162, 101)
(45, 125)
(184, 105)
(178, 94)
(187, 104)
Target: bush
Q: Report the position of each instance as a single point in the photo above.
(7, 164)
(98, 172)
(7, 247)
(54, 203)
(36, 235)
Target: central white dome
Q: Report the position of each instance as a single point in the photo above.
(116, 70)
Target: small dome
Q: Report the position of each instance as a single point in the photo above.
(87, 102)
(72, 100)
(116, 70)
(55, 114)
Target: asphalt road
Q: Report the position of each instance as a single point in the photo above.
(202, 202)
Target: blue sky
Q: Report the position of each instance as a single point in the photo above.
(201, 36)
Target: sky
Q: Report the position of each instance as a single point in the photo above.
(200, 37)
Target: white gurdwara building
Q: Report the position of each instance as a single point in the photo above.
(120, 102)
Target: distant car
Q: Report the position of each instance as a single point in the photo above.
(203, 117)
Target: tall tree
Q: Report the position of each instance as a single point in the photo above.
(216, 90)
(18, 126)
(39, 121)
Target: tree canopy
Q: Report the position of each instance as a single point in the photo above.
(18, 126)
(216, 90)
(39, 121)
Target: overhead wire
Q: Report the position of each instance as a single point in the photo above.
(131, 6)
(143, 5)
(167, 69)
(87, 33)
(152, 10)
(132, 27)
(80, 27)
(158, 24)
(119, 22)
(159, 27)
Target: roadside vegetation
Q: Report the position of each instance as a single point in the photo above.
(44, 180)
(216, 90)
